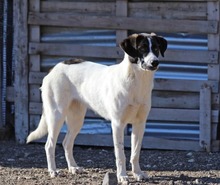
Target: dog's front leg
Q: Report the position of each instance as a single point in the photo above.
(118, 139)
(136, 141)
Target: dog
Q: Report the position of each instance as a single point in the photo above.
(120, 93)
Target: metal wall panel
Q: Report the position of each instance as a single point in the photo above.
(167, 70)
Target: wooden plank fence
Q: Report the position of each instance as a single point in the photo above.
(173, 99)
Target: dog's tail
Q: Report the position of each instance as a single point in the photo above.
(41, 130)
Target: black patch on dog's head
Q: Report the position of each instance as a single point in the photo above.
(161, 42)
(130, 44)
(137, 45)
(73, 61)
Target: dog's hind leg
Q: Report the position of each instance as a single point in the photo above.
(55, 119)
(74, 120)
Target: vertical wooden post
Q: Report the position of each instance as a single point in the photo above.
(21, 69)
(213, 39)
(1, 59)
(34, 6)
(205, 118)
(213, 10)
(121, 11)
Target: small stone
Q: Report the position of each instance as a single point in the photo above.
(148, 166)
(62, 157)
(197, 181)
(191, 160)
(189, 154)
(110, 179)
(11, 160)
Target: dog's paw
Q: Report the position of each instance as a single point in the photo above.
(123, 180)
(53, 174)
(141, 176)
(76, 170)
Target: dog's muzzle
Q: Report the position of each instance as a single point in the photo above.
(155, 63)
(151, 66)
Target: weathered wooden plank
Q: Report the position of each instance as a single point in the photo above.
(214, 40)
(192, 56)
(179, 0)
(35, 108)
(148, 142)
(162, 99)
(10, 96)
(169, 10)
(155, 113)
(34, 60)
(159, 83)
(184, 85)
(165, 114)
(36, 77)
(74, 50)
(121, 10)
(160, 114)
(34, 121)
(215, 146)
(34, 92)
(89, 8)
(214, 131)
(205, 118)
(124, 23)
(59, 49)
(174, 99)
(21, 72)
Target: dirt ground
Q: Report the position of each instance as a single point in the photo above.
(26, 165)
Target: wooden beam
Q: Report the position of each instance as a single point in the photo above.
(123, 23)
(60, 49)
(159, 83)
(205, 118)
(79, 7)
(214, 40)
(21, 72)
(165, 114)
(121, 10)
(148, 142)
(169, 10)
(184, 85)
(34, 62)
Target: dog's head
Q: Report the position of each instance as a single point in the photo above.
(144, 49)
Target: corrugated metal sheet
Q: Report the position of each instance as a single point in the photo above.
(4, 62)
(167, 69)
(1, 53)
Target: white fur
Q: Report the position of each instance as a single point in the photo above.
(120, 93)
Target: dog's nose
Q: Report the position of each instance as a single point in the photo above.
(155, 63)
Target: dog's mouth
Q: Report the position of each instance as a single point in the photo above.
(149, 68)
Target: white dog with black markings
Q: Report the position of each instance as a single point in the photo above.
(120, 93)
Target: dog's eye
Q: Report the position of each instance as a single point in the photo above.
(142, 49)
(156, 49)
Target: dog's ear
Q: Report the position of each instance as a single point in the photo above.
(129, 45)
(162, 44)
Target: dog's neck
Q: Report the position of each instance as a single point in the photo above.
(137, 80)
(133, 68)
